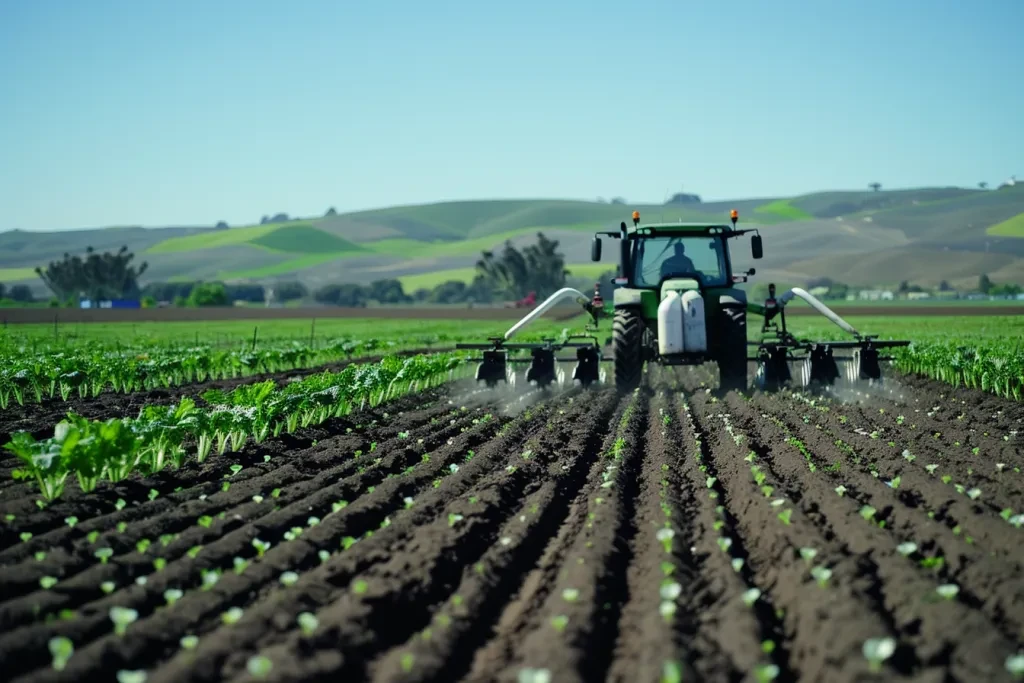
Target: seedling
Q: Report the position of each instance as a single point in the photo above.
(877, 650)
(307, 622)
(232, 615)
(821, 575)
(61, 650)
(258, 666)
(122, 618)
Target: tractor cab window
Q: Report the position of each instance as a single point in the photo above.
(700, 257)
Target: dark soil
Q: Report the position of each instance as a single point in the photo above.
(471, 545)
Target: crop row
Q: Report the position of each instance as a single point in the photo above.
(113, 449)
(88, 371)
(994, 368)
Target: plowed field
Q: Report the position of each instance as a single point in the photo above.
(460, 535)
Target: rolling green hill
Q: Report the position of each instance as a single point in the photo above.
(861, 237)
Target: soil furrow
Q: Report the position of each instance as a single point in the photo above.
(574, 639)
(724, 625)
(981, 407)
(673, 610)
(978, 519)
(960, 448)
(444, 651)
(364, 514)
(314, 496)
(455, 548)
(929, 636)
(328, 590)
(258, 590)
(977, 572)
(822, 627)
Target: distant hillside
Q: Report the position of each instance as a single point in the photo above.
(924, 235)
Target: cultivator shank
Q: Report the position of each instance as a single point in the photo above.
(494, 362)
(818, 363)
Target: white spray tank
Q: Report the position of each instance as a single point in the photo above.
(695, 337)
(670, 324)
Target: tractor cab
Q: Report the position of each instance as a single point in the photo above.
(654, 253)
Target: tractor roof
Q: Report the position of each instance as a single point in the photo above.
(651, 229)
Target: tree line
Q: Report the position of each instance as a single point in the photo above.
(508, 274)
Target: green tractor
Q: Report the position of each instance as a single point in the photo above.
(677, 302)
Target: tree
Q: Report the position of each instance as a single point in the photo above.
(252, 293)
(387, 292)
(983, 185)
(984, 284)
(207, 294)
(538, 268)
(684, 198)
(450, 292)
(349, 295)
(875, 186)
(167, 291)
(331, 212)
(3, 291)
(290, 291)
(221, 225)
(97, 277)
(944, 287)
(21, 294)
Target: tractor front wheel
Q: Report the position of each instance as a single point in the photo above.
(732, 363)
(627, 347)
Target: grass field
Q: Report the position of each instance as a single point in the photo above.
(17, 274)
(292, 238)
(1013, 227)
(781, 209)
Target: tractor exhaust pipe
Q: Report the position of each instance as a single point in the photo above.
(564, 293)
(818, 306)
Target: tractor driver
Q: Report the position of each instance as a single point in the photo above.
(678, 263)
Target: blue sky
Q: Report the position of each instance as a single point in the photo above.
(119, 112)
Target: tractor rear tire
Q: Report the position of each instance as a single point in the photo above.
(732, 363)
(627, 348)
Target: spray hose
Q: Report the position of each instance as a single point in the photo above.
(818, 306)
(564, 293)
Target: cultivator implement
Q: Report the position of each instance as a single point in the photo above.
(818, 362)
(495, 363)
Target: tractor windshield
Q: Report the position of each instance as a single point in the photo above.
(700, 257)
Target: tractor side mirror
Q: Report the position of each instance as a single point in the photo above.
(595, 249)
(755, 247)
